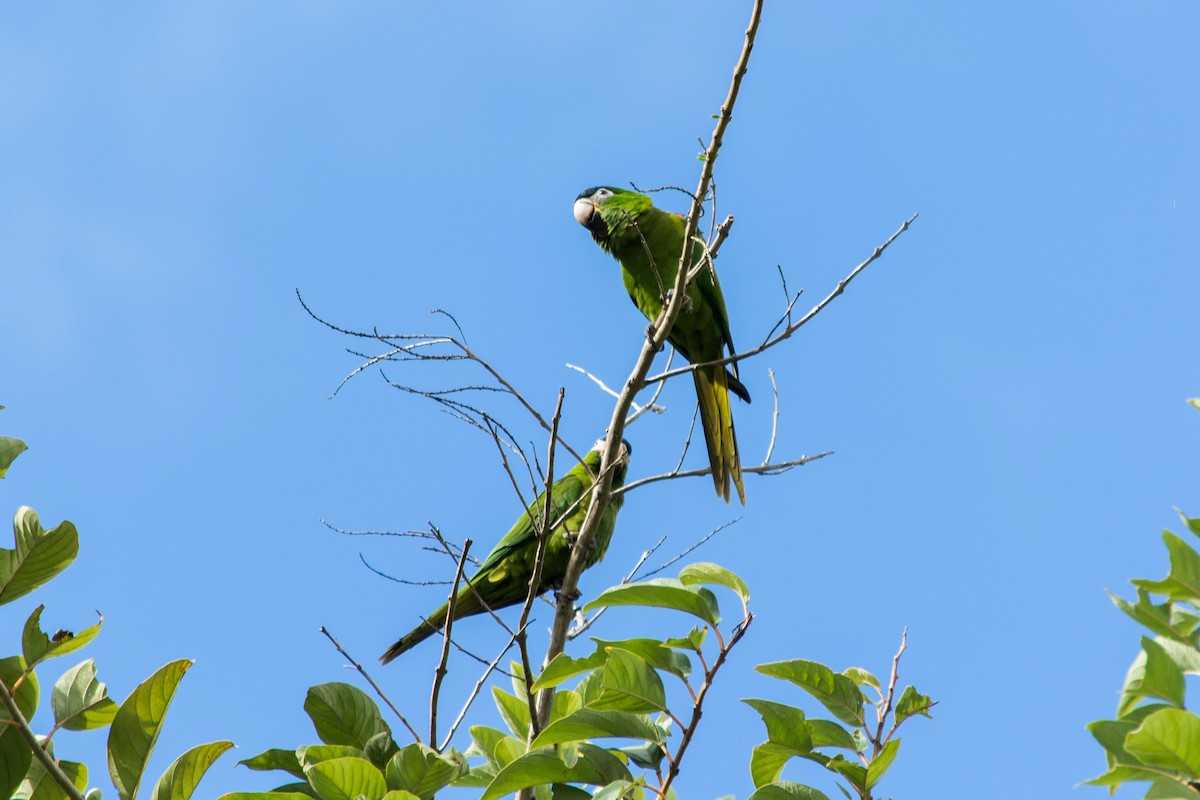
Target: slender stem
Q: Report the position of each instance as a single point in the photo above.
(39, 752)
(440, 673)
(416, 736)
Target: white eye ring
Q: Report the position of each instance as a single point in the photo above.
(604, 193)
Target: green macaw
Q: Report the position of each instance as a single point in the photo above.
(648, 243)
(503, 577)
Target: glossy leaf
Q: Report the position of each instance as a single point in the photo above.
(714, 575)
(422, 771)
(343, 714)
(785, 724)
(136, 726)
(513, 710)
(316, 753)
(661, 593)
(767, 761)
(880, 763)
(40, 554)
(617, 790)
(850, 770)
(589, 723)
(1157, 617)
(276, 795)
(787, 790)
(9, 450)
(837, 693)
(594, 766)
(654, 653)
(563, 667)
(27, 694)
(694, 641)
(826, 733)
(38, 647)
(912, 702)
(38, 785)
(630, 684)
(346, 779)
(15, 757)
(1183, 579)
(1169, 738)
(496, 747)
(184, 775)
(80, 701)
(275, 759)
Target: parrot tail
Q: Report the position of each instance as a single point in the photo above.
(717, 420)
(428, 627)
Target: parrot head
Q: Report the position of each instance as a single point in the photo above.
(587, 209)
(593, 459)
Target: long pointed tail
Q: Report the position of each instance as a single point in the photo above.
(717, 420)
(428, 627)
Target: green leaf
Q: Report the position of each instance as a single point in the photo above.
(852, 771)
(1170, 790)
(182, 777)
(785, 725)
(648, 755)
(27, 694)
(617, 790)
(589, 723)
(1192, 523)
(316, 753)
(513, 710)
(1156, 617)
(1169, 738)
(343, 714)
(653, 652)
(275, 759)
(714, 575)
(276, 795)
(81, 702)
(630, 684)
(694, 641)
(767, 761)
(136, 726)
(787, 790)
(38, 785)
(594, 766)
(912, 702)
(400, 794)
(862, 677)
(1153, 674)
(564, 667)
(346, 779)
(422, 771)
(39, 555)
(380, 749)
(38, 647)
(9, 450)
(564, 703)
(836, 692)
(880, 763)
(826, 733)
(661, 593)
(15, 757)
(1183, 580)
(496, 747)
(1195, 402)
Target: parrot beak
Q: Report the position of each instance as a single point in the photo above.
(584, 210)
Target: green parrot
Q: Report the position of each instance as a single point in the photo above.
(627, 225)
(503, 578)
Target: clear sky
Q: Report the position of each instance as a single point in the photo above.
(1004, 390)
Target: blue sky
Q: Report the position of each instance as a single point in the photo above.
(1004, 390)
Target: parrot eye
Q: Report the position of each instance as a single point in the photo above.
(603, 194)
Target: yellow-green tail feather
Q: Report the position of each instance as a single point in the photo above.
(717, 420)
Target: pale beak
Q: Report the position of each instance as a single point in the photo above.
(584, 209)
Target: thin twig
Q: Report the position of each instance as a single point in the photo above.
(792, 328)
(416, 736)
(761, 469)
(39, 752)
(883, 711)
(491, 667)
(638, 410)
(774, 417)
(583, 623)
(440, 672)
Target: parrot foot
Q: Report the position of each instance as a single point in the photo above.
(575, 595)
(687, 301)
(650, 329)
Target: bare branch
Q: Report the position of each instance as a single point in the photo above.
(762, 469)
(583, 623)
(440, 672)
(637, 409)
(416, 736)
(39, 752)
(774, 417)
(792, 328)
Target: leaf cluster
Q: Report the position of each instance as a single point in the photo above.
(79, 701)
(1154, 737)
